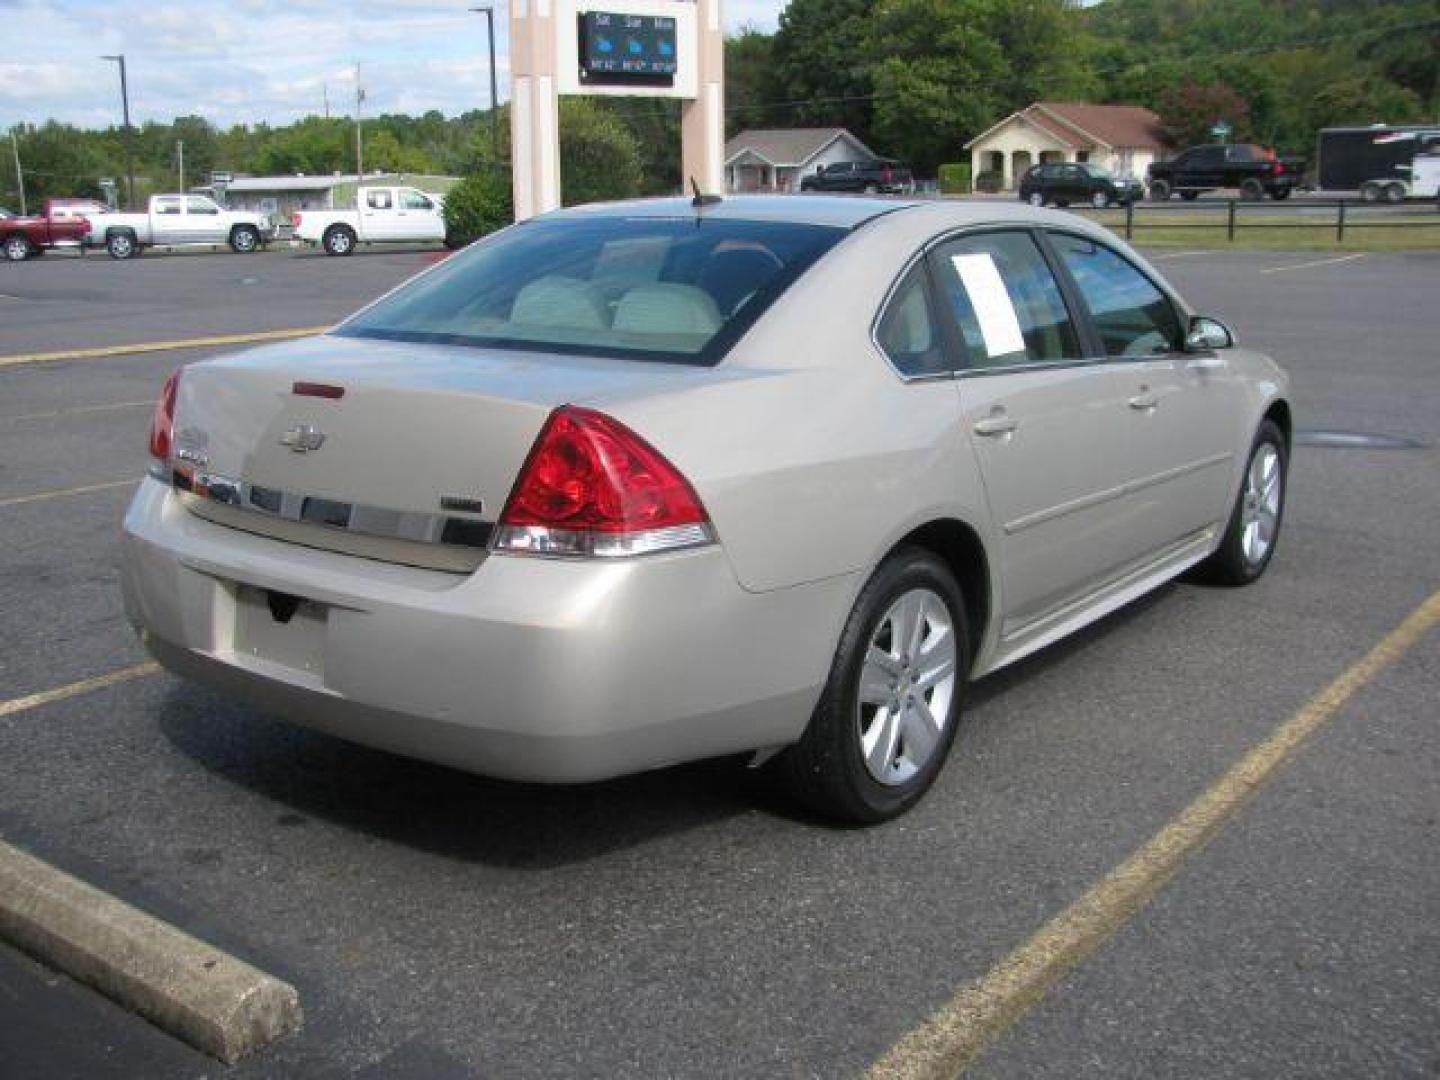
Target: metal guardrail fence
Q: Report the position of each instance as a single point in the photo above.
(1242, 214)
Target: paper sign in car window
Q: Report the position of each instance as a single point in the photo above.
(993, 309)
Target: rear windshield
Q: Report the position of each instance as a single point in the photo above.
(680, 290)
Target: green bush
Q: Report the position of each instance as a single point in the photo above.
(479, 204)
(992, 180)
(955, 178)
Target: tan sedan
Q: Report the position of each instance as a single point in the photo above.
(642, 483)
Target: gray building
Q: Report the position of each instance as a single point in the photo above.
(776, 159)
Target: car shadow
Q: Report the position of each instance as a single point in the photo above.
(441, 810)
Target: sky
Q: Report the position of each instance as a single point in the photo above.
(246, 61)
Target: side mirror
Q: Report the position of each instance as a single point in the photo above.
(1206, 334)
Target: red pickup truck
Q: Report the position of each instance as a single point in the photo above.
(58, 226)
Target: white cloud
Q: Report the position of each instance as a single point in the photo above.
(260, 60)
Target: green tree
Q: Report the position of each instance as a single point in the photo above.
(751, 84)
(822, 67)
(600, 157)
(1187, 113)
(478, 205)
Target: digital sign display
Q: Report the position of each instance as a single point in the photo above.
(627, 49)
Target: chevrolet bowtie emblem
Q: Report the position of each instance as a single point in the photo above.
(303, 438)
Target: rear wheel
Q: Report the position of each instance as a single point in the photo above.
(1100, 200)
(1036, 199)
(1254, 526)
(17, 248)
(122, 245)
(244, 239)
(338, 240)
(1371, 190)
(1394, 193)
(888, 713)
(1252, 190)
(1160, 190)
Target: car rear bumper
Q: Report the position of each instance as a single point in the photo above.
(528, 669)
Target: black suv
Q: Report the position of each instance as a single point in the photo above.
(881, 176)
(1064, 182)
(1257, 172)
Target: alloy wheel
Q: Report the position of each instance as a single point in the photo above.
(907, 684)
(1260, 504)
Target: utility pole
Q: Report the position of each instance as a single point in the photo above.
(325, 89)
(129, 140)
(19, 174)
(489, 14)
(180, 153)
(359, 144)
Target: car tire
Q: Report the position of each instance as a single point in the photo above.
(1370, 191)
(244, 239)
(17, 248)
(338, 240)
(869, 752)
(122, 245)
(1280, 194)
(1100, 200)
(871, 189)
(1160, 190)
(1036, 199)
(1189, 196)
(1252, 190)
(1394, 193)
(1253, 530)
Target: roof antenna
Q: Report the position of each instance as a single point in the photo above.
(701, 199)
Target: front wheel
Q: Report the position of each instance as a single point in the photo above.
(244, 239)
(1036, 199)
(338, 240)
(888, 713)
(1254, 526)
(17, 248)
(1252, 190)
(1395, 193)
(1160, 190)
(1100, 200)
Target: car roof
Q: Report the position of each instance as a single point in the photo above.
(842, 211)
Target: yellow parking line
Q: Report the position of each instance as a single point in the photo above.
(160, 346)
(75, 689)
(79, 410)
(1309, 265)
(41, 496)
(955, 1035)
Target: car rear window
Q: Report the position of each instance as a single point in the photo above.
(679, 290)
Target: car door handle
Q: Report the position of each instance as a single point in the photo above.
(1205, 363)
(1145, 401)
(996, 424)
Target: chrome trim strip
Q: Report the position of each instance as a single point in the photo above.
(1085, 502)
(416, 527)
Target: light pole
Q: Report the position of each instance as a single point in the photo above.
(489, 14)
(129, 152)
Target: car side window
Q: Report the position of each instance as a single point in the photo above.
(908, 332)
(378, 200)
(201, 206)
(413, 200)
(167, 206)
(1133, 316)
(1006, 301)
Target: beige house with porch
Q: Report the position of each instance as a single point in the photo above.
(1123, 138)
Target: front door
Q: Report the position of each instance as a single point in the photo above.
(1182, 409)
(1049, 427)
(420, 217)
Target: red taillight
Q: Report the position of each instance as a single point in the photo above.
(295, 220)
(162, 425)
(591, 486)
(1279, 167)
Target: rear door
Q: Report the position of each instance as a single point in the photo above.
(204, 221)
(1182, 410)
(1048, 425)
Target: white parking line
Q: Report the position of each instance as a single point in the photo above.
(1179, 255)
(1318, 262)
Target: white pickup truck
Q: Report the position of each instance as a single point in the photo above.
(180, 221)
(386, 215)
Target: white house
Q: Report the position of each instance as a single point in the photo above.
(1123, 138)
(775, 159)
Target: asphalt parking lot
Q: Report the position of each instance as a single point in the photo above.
(685, 923)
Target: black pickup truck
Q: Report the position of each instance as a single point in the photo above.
(880, 176)
(1256, 171)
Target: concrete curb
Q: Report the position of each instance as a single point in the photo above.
(209, 999)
